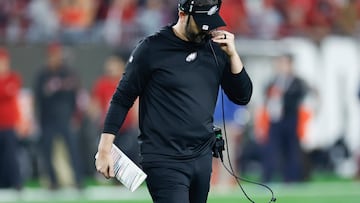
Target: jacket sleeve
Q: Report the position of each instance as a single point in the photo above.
(238, 87)
(132, 84)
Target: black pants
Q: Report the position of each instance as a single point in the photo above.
(49, 132)
(10, 176)
(179, 182)
(283, 151)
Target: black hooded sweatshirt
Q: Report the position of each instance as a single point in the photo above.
(177, 83)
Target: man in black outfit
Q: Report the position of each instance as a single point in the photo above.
(284, 97)
(55, 92)
(176, 73)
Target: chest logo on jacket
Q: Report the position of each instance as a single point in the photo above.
(191, 57)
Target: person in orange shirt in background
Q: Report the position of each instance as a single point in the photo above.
(76, 19)
(77, 13)
(10, 84)
(102, 93)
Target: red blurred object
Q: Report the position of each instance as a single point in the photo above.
(103, 91)
(235, 16)
(9, 89)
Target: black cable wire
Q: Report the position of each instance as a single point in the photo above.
(231, 170)
(227, 151)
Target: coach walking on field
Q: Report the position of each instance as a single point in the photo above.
(176, 73)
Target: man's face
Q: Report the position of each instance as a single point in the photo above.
(114, 67)
(4, 65)
(283, 66)
(55, 58)
(194, 33)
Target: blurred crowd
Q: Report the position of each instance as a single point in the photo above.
(125, 21)
(81, 21)
(57, 121)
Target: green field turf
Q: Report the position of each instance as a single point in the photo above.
(324, 192)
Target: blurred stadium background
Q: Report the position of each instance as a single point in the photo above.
(322, 35)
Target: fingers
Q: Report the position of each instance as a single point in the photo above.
(103, 170)
(111, 171)
(104, 167)
(223, 36)
(226, 40)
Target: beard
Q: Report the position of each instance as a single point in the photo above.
(200, 38)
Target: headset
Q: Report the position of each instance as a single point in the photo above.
(189, 8)
(219, 147)
(188, 5)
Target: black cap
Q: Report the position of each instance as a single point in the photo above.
(206, 17)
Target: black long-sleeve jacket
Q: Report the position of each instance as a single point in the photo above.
(177, 83)
(292, 96)
(55, 95)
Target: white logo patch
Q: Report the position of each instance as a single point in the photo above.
(212, 10)
(131, 59)
(191, 57)
(205, 27)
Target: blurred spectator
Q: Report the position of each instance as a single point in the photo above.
(102, 93)
(55, 98)
(4, 16)
(120, 25)
(44, 22)
(151, 17)
(264, 19)
(76, 18)
(321, 19)
(347, 18)
(101, 13)
(102, 9)
(10, 84)
(126, 21)
(235, 15)
(16, 21)
(283, 99)
(294, 14)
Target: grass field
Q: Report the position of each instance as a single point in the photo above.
(319, 192)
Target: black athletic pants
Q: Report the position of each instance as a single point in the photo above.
(49, 133)
(179, 182)
(10, 176)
